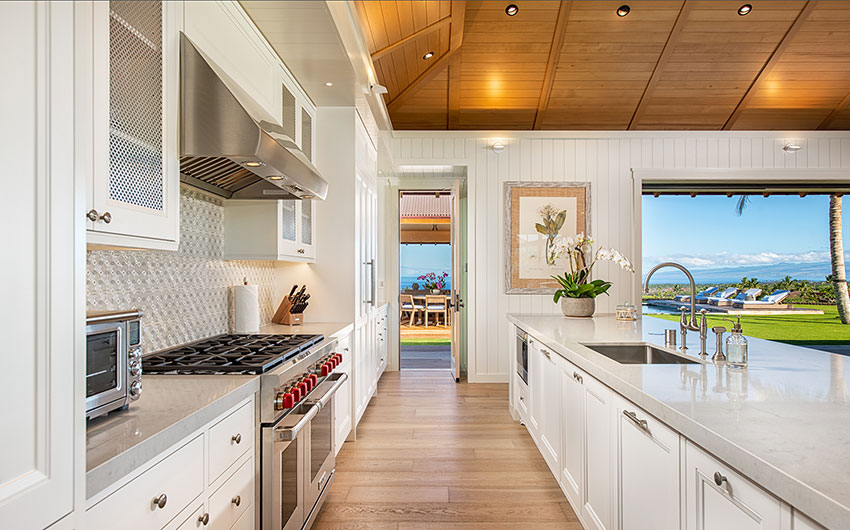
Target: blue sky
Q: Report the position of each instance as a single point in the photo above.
(416, 260)
(775, 236)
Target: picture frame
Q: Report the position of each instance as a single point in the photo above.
(535, 214)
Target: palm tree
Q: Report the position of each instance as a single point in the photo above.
(836, 251)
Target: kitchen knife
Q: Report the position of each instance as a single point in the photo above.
(292, 291)
(299, 295)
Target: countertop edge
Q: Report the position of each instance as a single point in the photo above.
(124, 463)
(814, 503)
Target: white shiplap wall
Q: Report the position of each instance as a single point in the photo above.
(605, 160)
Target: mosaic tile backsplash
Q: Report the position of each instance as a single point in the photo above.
(184, 295)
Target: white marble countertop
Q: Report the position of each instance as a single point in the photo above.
(170, 408)
(784, 421)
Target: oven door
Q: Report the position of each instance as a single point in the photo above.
(106, 367)
(321, 459)
(283, 457)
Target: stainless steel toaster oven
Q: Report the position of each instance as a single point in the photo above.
(113, 360)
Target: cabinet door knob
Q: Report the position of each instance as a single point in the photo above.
(236, 438)
(719, 479)
(92, 216)
(160, 501)
(237, 500)
(204, 519)
(106, 217)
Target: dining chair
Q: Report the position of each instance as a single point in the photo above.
(409, 306)
(436, 303)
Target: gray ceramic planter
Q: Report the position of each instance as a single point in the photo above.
(578, 307)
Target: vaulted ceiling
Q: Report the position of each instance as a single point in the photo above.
(578, 65)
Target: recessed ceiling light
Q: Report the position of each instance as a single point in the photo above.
(329, 84)
(511, 10)
(623, 10)
(745, 9)
(428, 55)
(253, 164)
(275, 177)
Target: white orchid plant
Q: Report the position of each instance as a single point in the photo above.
(577, 283)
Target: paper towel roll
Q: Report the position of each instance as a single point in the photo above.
(246, 309)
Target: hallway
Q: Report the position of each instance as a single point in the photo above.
(433, 454)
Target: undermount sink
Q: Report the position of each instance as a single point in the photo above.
(639, 354)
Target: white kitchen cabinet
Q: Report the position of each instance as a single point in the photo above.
(534, 388)
(648, 481)
(718, 498)
(551, 418)
(801, 522)
(598, 496)
(128, 102)
(270, 230)
(343, 405)
(41, 384)
(572, 454)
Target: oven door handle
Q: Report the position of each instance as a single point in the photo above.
(327, 396)
(286, 434)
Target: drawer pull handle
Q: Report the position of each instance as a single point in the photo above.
(204, 519)
(637, 421)
(92, 216)
(237, 500)
(236, 438)
(719, 479)
(160, 501)
(577, 377)
(546, 353)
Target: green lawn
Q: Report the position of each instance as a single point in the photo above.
(792, 329)
(425, 342)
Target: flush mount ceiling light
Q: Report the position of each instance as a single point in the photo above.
(792, 148)
(745, 9)
(511, 10)
(275, 177)
(253, 164)
(498, 147)
(623, 10)
(428, 55)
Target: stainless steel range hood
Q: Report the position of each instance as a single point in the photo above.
(224, 150)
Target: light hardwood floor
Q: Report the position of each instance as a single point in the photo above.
(434, 454)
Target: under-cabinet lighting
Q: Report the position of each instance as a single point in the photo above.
(275, 177)
(253, 164)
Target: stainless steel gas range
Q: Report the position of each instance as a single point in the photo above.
(297, 386)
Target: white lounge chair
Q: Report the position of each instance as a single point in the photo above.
(705, 293)
(727, 293)
(772, 299)
(743, 296)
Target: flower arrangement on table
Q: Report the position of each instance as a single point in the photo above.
(434, 281)
(578, 292)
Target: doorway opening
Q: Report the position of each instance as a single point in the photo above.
(426, 279)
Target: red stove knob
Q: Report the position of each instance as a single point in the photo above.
(338, 358)
(309, 382)
(314, 380)
(296, 393)
(333, 361)
(288, 400)
(326, 369)
(302, 386)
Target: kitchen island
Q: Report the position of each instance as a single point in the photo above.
(783, 423)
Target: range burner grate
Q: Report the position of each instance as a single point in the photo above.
(229, 354)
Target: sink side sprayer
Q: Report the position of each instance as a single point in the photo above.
(684, 323)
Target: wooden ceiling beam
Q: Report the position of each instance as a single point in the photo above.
(666, 52)
(552, 62)
(423, 78)
(842, 105)
(456, 39)
(770, 64)
(436, 26)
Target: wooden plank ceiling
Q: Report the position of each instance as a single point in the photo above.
(674, 65)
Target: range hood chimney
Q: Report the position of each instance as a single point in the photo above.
(224, 150)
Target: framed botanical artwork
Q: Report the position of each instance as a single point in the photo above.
(536, 215)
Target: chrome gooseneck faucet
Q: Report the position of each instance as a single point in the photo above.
(684, 323)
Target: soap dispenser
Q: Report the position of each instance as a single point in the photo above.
(736, 348)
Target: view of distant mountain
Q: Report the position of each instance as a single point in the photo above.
(815, 271)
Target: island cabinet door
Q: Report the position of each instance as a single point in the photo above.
(598, 495)
(572, 454)
(718, 498)
(648, 470)
(535, 388)
(550, 409)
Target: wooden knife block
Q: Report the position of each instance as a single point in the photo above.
(284, 316)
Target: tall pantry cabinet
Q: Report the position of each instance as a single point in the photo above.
(42, 466)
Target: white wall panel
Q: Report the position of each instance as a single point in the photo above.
(604, 160)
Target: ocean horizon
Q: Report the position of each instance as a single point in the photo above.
(405, 282)
(817, 272)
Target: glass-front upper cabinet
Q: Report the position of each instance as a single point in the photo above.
(270, 230)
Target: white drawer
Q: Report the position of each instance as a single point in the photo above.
(230, 438)
(179, 477)
(194, 521)
(521, 399)
(246, 522)
(224, 512)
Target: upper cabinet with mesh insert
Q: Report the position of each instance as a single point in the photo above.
(128, 57)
